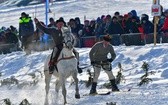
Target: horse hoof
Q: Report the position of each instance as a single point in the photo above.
(77, 96)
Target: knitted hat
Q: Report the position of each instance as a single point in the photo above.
(107, 38)
(59, 21)
(125, 15)
(23, 13)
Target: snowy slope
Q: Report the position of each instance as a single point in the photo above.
(28, 70)
(18, 3)
(22, 67)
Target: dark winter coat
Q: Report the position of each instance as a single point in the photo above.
(134, 14)
(79, 26)
(26, 27)
(148, 27)
(11, 38)
(100, 29)
(115, 28)
(165, 25)
(161, 22)
(87, 31)
(75, 31)
(53, 32)
(131, 27)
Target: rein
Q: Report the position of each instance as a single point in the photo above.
(65, 58)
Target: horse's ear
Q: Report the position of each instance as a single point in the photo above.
(69, 28)
(65, 29)
(62, 29)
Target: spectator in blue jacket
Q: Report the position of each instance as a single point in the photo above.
(147, 25)
(26, 31)
(134, 14)
(87, 31)
(115, 29)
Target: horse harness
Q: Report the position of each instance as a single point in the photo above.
(62, 58)
(103, 64)
(65, 42)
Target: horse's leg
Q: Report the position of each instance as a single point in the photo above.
(57, 86)
(47, 82)
(47, 85)
(77, 95)
(46, 101)
(64, 92)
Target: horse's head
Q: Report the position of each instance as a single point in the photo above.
(69, 39)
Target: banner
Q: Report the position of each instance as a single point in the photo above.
(156, 8)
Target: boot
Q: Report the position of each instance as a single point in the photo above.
(51, 67)
(93, 88)
(114, 86)
(53, 59)
(79, 69)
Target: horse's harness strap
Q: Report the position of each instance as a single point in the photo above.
(65, 58)
(102, 64)
(52, 55)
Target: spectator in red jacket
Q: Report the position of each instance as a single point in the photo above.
(165, 25)
(164, 28)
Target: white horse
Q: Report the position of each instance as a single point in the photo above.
(66, 66)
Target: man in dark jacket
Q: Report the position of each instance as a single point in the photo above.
(26, 31)
(56, 34)
(115, 29)
(101, 55)
(52, 22)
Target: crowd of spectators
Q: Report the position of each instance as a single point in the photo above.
(8, 39)
(8, 35)
(114, 25)
(117, 25)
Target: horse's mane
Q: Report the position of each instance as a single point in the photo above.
(68, 29)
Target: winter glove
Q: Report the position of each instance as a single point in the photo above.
(51, 67)
(109, 60)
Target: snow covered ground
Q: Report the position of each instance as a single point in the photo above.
(23, 67)
(28, 70)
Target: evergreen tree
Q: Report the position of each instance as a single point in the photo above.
(119, 76)
(144, 78)
(7, 101)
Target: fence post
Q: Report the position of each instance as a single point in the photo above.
(155, 28)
